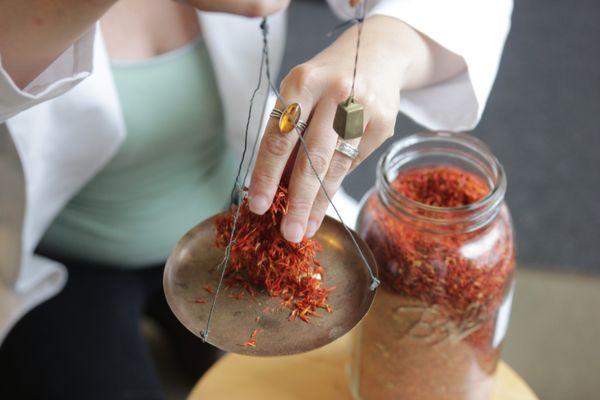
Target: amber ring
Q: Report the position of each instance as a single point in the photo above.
(290, 118)
(346, 149)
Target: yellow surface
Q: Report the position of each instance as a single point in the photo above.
(317, 375)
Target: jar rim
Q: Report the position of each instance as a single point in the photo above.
(490, 201)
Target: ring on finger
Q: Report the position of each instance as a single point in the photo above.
(346, 149)
(289, 118)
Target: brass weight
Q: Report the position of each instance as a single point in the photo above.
(349, 119)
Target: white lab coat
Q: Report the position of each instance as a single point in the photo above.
(59, 131)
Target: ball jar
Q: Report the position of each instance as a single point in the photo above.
(442, 235)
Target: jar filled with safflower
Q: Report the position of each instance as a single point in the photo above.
(443, 239)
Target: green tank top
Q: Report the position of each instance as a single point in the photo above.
(173, 170)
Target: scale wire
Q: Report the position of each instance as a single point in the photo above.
(238, 189)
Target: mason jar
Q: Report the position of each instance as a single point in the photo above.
(442, 235)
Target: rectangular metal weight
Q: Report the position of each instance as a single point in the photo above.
(348, 122)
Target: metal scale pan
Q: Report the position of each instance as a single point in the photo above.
(193, 265)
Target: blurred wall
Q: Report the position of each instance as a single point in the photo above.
(542, 121)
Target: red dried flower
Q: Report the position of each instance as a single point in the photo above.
(261, 258)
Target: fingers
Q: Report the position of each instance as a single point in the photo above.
(378, 130)
(259, 8)
(320, 142)
(248, 8)
(338, 169)
(275, 147)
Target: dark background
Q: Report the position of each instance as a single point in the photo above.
(541, 121)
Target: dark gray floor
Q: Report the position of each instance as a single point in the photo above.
(542, 121)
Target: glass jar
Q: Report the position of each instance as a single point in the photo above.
(440, 316)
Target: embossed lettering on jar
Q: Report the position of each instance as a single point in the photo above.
(442, 235)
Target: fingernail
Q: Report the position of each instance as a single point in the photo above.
(259, 204)
(311, 229)
(293, 232)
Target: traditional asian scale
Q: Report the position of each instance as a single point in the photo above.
(196, 262)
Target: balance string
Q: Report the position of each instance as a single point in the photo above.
(360, 17)
(237, 187)
(265, 62)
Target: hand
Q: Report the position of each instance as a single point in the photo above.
(247, 8)
(319, 85)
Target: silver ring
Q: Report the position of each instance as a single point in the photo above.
(346, 149)
(277, 113)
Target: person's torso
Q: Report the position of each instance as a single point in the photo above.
(138, 30)
(170, 172)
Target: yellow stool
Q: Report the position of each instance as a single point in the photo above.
(317, 375)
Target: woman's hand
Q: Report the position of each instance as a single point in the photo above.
(248, 8)
(392, 56)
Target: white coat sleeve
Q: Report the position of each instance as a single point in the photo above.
(473, 29)
(70, 68)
